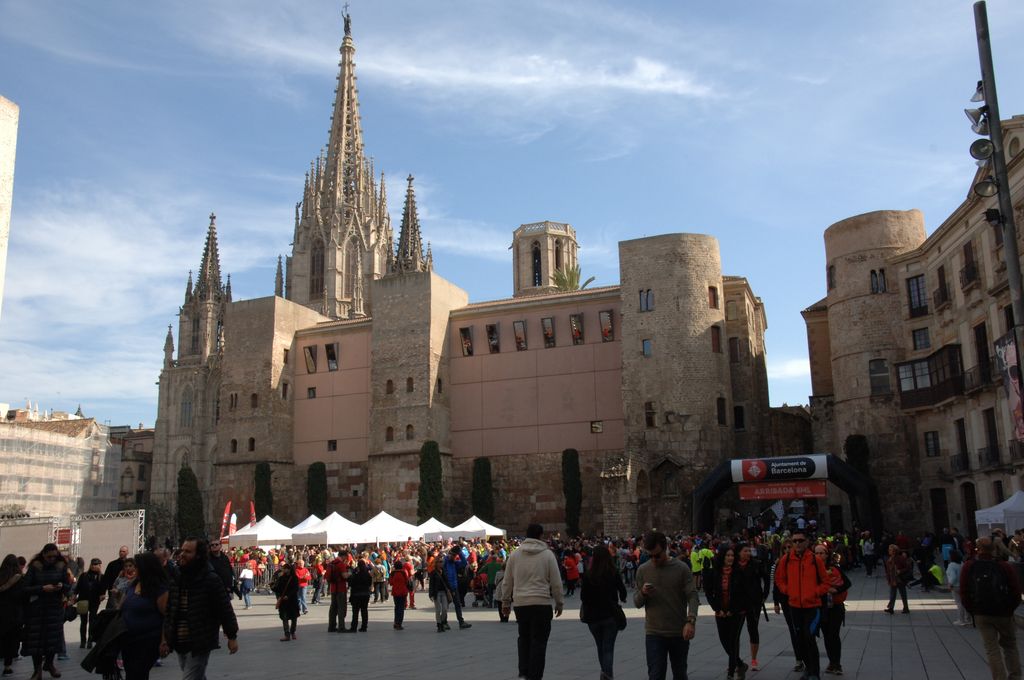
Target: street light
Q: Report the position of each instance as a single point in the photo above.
(986, 188)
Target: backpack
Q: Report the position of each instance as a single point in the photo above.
(989, 589)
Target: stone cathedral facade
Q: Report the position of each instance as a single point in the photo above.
(364, 352)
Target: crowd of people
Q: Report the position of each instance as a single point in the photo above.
(141, 608)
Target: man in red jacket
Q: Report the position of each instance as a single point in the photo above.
(337, 578)
(801, 577)
(990, 590)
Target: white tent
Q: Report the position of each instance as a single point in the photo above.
(384, 529)
(1008, 515)
(474, 527)
(268, 531)
(433, 529)
(332, 530)
(302, 526)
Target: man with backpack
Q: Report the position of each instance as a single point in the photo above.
(990, 592)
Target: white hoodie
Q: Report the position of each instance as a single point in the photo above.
(532, 576)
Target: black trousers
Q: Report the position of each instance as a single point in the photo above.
(729, 629)
(806, 623)
(534, 623)
(830, 625)
(360, 605)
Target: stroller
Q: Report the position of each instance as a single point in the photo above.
(479, 587)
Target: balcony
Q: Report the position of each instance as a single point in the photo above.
(979, 376)
(941, 297)
(929, 396)
(969, 275)
(919, 310)
(960, 463)
(988, 457)
(1016, 449)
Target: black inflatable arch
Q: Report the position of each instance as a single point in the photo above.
(861, 490)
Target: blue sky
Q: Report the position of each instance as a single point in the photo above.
(759, 123)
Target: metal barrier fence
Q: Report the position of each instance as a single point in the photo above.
(262, 578)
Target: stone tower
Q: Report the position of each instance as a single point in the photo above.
(343, 236)
(538, 250)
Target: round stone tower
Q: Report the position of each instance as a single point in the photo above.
(539, 250)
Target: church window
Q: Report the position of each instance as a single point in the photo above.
(576, 328)
(232, 401)
(332, 444)
(252, 444)
(234, 446)
(389, 434)
(646, 300)
(734, 350)
(712, 297)
(716, 339)
(650, 414)
(535, 261)
(739, 418)
(720, 408)
(607, 329)
(647, 347)
(830, 276)
(284, 391)
(310, 353)
(316, 270)
(519, 331)
(493, 338)
(558, 254)
(351, 268)
(466, 336)
(311, 393)
(195, 336)
(186, 408)
(254, 400)
(547, 327)
(669, 484)
(331, 351)
(410, 432)
(409, 384)
(389, 387)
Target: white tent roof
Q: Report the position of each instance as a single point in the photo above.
(332, 530)
(384, 528)
(433, 529)
(306, 523)
(1010, 509)
(474, 527)
(268, 531)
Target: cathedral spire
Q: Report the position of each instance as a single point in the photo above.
(169, 348)
(188, 287)
(208, 284)
(279, 279)
(227, 290)
(410, 244)
(345, 147)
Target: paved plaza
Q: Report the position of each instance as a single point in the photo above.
(876, 645)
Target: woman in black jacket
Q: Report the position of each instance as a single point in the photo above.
(12, 610)
(89, 589)
(46, 584)
(359, 584)
(286, 587)
(600, 594)
(729, 594)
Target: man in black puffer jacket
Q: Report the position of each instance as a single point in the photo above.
(197, 607)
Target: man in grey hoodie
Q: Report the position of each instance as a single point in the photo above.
(532, 581)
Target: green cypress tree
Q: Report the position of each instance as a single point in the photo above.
(431, 493)
(572, 489)
(190, 504)
(316, 490)
(263, 495)
(483, 489)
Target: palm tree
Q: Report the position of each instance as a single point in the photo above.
(567, 279)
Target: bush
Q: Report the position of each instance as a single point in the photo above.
(572, 489)
(316, 490)
(190, 504)
(263, 495)
(431, 493)
(483, 490)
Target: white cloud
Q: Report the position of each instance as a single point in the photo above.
(789, 369)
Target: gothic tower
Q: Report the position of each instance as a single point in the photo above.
(538, 251)
(343, 236)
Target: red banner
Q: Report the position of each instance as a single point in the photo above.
(63, 536)
(224, 522)
(811, 488)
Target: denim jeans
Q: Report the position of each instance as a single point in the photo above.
(302, 600)
(534, 623)
(604, 633)
(193, 666)
(664, 650)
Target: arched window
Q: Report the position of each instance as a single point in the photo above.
(408, 384)
(389, 434)
(558, 254)
(254, 400)
(186, 407)
(234, 446)
(252, 444)
(389, 387)
(316, 270)
(351, 268)
(409, 432)
(536, 263)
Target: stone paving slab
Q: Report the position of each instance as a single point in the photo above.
(877, 646)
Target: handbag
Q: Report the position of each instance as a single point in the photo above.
(620, 617)
(71, 612)
(82, 606)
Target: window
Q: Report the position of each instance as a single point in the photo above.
(316, 271)
(646, 300)
(234, 446)
(310, 353)
(535, 263)
(646, 347)
(310, 393)
(547, 327)
(716, 339)
(576, 328)
(739, 419)
(921, 338)
(466, 335)
(254, 400)
(389, 387)
(650, 414)
(607, 330)
(252, 444)
(961, 435)
(997, 491)
(140, 496)
(712, 297)
(878, 281)
(878, 372)
(409, 432)
(916, 296)
(440, 386)
(142, 472)
(519, 331)
(186, 408)
(734, 350)
(669, 483)
(351, 269)
(914, 375)
(493, 338)
(389, 434)
(355, 493)
(720, 409)
(285, 360)
(195, 336)
(409, 384)
(332, 444)
(931, 444)
(284, 391)
(331, 352)
(233, 401)
(558, 254)
(830, 276)
(730, 310)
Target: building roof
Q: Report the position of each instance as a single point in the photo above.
(71, 428)
(542, 297)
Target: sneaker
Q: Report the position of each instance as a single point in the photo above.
(838, 670)
(799, 667)
(463, 625)
(753, 665)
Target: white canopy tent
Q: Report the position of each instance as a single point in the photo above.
(332, 530)
(267, 531)
(474, 527)
(302, 526)
(433, 529)
(1008, 515)
(384, 528)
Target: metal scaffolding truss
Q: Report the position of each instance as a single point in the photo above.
(22, 521)
(138, 515)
